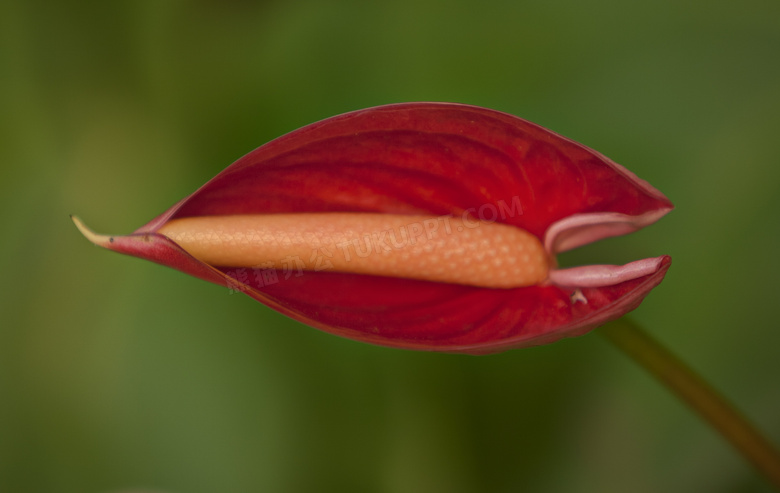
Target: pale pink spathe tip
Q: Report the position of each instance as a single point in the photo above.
(583, 229)
(596, 276)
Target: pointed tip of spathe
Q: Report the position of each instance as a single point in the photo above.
(97, 239)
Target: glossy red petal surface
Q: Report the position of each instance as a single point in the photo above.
(446, 317)
(429, 158)
(418, 158)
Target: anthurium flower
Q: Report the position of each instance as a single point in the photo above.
(429, 226)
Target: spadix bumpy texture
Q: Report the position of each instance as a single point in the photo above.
(341, 225)
(437, 249)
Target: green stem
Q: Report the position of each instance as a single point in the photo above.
(691, 388)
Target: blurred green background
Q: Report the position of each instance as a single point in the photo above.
(117, 374)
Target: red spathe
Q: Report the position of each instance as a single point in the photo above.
(432, 159)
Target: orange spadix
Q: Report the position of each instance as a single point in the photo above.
(432, 248)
